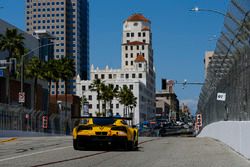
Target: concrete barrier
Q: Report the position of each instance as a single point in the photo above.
(16, 133)
(235, 134)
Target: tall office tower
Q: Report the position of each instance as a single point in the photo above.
(67, 21)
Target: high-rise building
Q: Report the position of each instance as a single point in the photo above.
(67, 20)
(137, 72)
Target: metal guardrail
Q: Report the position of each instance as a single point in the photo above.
(229, 69)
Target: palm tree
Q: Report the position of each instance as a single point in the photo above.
(108, 92)
(12, 42)
(127, 98)
(55, 69)
(33, 70)
(97, 85)
(48, 74)
(67, 72)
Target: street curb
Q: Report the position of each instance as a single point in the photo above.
(8, 140)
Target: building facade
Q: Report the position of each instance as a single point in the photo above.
(168, 96)
(67, 20)
(207, 58)
(137, 71)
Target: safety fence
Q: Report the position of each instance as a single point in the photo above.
(229, 69)
(20, 118)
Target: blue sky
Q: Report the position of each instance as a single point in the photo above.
(180, 37)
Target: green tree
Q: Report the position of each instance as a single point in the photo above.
(12, 42)
(67, 72)
(97, 85)
(33, 70)
(48, 74)
(126, 98)
(108, 92)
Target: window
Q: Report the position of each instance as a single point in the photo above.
(142, 47)
(138, 47)
(133, 75)
(96, 76)
(126, 47)
(131, 55)
(144, 40)
(139, 34)
(132, 34)
(90, 106)
(117, 105)
(126, 55)
(143, 34)
(97, 106)
(131, 63)
(102, 76)
(122, 75)
(127, 76)
(131, 47)
(140, 65)
(110, 76)
(90, 97)
(83, 87)
(131, 87)
(128, 35)
(140, 75)
(126, 63)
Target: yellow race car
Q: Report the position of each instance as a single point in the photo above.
(105, 131)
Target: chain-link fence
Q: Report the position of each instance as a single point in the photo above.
(229, 69)
(20, 118)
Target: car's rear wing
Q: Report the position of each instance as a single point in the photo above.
(86, 117)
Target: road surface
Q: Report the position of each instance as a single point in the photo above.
(152, 152)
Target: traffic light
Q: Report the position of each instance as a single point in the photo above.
(45, 122)
(199, 120)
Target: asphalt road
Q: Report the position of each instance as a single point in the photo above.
(152, 152)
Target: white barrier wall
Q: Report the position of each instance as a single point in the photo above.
(235, 134)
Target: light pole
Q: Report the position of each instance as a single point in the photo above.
(22, 71)
(27, 55)
(197, 9)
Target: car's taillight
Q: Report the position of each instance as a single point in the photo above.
(119, 128)
(84, 128)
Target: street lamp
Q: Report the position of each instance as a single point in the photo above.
(27, 55)
(197, 9)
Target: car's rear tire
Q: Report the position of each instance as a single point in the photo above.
(130, 145)
(75, 144)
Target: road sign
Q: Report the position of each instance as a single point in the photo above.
(221, 96)
(1, 73)
(21, 97)
(3, 62)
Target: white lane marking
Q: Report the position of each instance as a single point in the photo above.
(40, 152)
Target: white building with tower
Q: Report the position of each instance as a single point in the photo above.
(137, 71)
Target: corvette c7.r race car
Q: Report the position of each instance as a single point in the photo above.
(105, 131)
